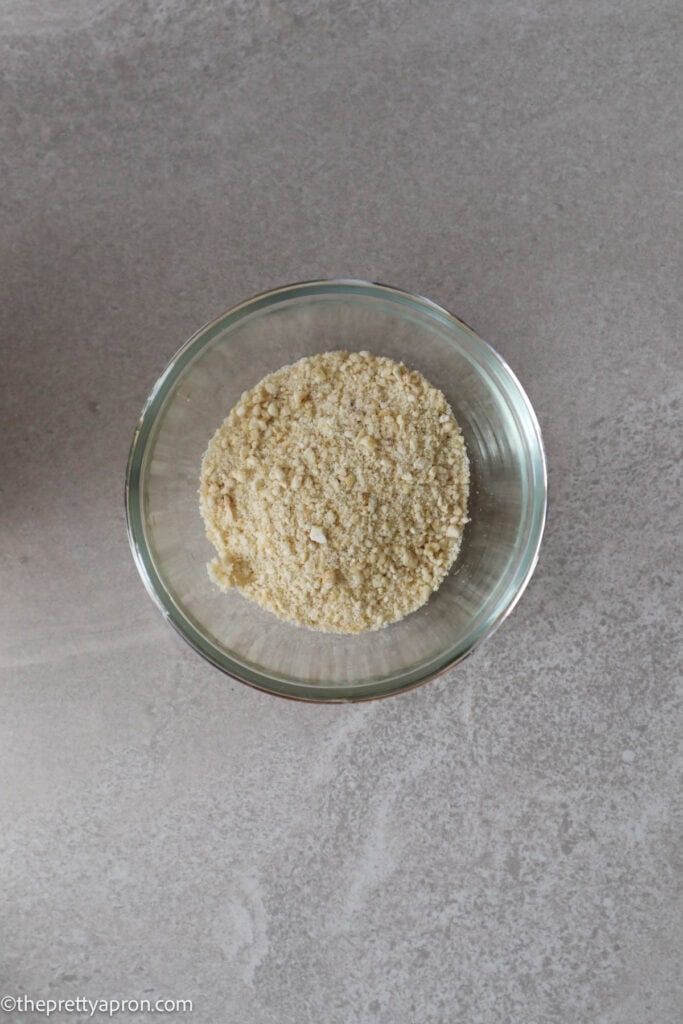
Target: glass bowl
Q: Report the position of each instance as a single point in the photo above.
(193, 396)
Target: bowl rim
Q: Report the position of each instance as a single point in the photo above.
(315, 693)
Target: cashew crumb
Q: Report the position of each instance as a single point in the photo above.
(358, 444)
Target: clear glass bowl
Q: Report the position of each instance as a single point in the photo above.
(193, 396)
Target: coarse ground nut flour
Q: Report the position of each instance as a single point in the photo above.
(335, 492)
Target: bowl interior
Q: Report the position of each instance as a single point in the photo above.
(194, 395)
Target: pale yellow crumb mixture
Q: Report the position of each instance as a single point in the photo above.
(335, 492)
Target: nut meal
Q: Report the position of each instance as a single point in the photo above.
(335, 492)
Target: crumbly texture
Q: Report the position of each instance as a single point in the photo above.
(335, 492)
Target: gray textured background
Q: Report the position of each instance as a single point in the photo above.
(505, 843)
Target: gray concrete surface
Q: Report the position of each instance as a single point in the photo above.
(505, 843)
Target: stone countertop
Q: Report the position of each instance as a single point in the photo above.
(502, 845)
